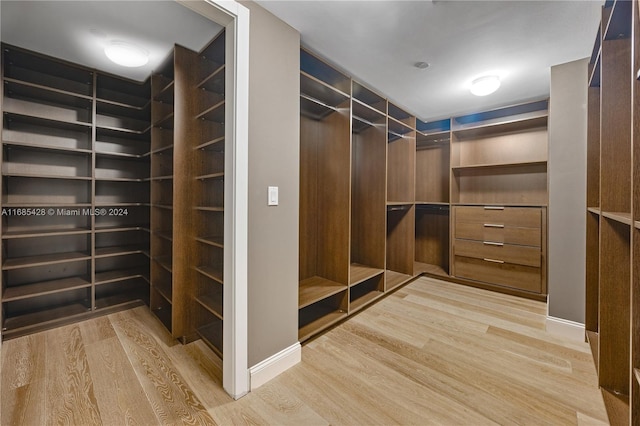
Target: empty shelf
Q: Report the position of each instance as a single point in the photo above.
(394, 279)
(359, 273)
(26, 291)
(317, 288)
(621, 217)
(211, 273)
(44, 259)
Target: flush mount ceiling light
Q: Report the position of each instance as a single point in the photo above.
(486, 85)
(422, 65)
(126, 54)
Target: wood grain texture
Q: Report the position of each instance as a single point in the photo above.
(432, 173)
(432, 237)
(430, 353)
(593, 147)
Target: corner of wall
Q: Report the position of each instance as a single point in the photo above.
(276, 364)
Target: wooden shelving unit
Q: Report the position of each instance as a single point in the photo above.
(612, 209)
(73, 153)
(378, 188)
(325, 154)
(208, 166)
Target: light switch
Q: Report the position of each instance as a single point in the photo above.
(273, 196)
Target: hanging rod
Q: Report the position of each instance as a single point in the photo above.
(367, 122)
(315, 101)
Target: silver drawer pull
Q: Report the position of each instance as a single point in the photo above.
(493, 225)
(491, 243)
(494, 207)
(493, 260)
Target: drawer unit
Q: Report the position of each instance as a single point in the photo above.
(501, 245)
(507, 274)
(498, 233)
(525, 217)
(498, 252)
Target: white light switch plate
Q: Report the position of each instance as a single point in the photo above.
(273, 196)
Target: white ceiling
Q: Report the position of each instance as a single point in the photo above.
(378, 42)
(77, 31)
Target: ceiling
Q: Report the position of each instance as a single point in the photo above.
(77, 31)
(378, 43)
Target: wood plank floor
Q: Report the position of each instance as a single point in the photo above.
(431, 353)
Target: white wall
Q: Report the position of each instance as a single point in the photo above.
(567, 190)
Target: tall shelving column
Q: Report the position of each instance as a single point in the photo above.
(208, 168)
(325, 130)
(368, 154)
(46, 164)
(121, 170)
(635, 238)
(433, 154)
(401, 151)
(174, 109)
(615, 199)
(592, 273)
(499, 197)
(75, 145)
(162, 189)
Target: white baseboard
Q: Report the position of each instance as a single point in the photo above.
(567, 329)
(266, 370)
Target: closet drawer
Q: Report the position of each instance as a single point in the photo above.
(499, 252)
(525, 217)
(498, 233)
(516, 276)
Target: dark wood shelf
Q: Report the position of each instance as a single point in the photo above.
(211, 304)
(44, 259)
(216, 241)
(7, 235)
(219, 175)
(210, 272)
(59, 314)
(209, 209)
(27, 291)
(165, 261)
(214, 82)
(216, 144)
(499, 165)
(106, 277)
(325, 319)
(34, 176)
(121, 228)
(212, 336)
(166, 235)
(164, 289)
(214, 113)
(120, 155)
(119, 251)
(47, 148)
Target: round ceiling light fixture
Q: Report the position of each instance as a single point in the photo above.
(126, 54)
(422, 65)
(486, 85)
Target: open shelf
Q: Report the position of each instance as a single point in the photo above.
(594, 210)
(359, 273)
(210, 272)
(45, 317)
(619, 217)
(394, 279)
(211, 304)
(106, 277)
(45, 259)
(26, 291)
(211, 334)
(319, 316)
(314, 289)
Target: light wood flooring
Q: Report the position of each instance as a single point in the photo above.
(431, 353)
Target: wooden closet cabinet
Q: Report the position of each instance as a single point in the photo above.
(113, 192)
(386, 197)
(501, 245)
